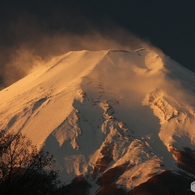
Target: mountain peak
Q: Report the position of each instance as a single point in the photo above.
(99, 111)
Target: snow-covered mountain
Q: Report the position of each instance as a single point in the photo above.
(114, 120)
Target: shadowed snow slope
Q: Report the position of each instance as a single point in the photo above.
(98, 111)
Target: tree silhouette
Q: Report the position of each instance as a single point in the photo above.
(24, 169)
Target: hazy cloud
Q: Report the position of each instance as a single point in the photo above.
(32, 43)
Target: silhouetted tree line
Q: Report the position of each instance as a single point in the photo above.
(24, 170)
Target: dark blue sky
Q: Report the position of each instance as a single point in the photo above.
(167, 24)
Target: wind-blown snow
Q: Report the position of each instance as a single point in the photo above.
(129, 106)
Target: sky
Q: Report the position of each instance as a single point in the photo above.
(32, 30)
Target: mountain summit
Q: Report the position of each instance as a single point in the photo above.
(115, 120)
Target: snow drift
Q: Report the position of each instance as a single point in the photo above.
(131, 114)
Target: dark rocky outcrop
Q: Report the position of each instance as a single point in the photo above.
(185, 159)
(108, 180)
(78, 186)
(166, 183)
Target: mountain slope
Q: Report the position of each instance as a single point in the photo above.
(116, 117)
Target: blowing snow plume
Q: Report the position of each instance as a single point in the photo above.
(17, 61)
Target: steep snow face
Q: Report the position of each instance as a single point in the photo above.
(44, 98)
(102, 110)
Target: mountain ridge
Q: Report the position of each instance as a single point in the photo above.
(99, 111)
